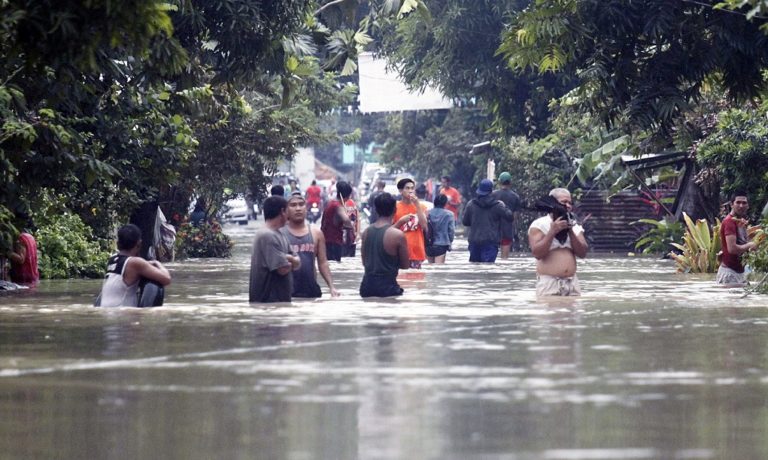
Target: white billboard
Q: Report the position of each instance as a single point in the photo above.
(382, 91)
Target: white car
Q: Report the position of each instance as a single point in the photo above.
(236, 210)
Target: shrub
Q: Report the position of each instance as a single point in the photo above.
(204, 240)
(699, 249)
(66, 246)
(660, 236)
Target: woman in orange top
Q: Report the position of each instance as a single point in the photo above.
(411, 218)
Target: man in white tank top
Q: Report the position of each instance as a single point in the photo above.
(555, 256)
(125, 269)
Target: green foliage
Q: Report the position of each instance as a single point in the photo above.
(757, 260)
(699, 249)
(660, 235)
(66, 246)
(204, 240)
(738, 150)
(644, 61)
(456, 52)
(432, 144)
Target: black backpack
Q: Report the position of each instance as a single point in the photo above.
(429, 233)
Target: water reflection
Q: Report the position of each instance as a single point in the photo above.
(467, 364)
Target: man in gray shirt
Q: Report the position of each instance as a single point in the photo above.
(272, 260)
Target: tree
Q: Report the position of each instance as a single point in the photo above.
(646, 60)
(456, 52)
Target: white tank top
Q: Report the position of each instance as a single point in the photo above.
(114, 291)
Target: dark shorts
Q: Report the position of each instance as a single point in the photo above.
(483, 252)
(379, 286)
(436, 251)
(349, 250)
(308, 291)
(334, 251)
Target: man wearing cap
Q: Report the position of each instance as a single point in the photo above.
(411, 218)
(454, 197)
(483, 216)
(308, 243)
(512, 202)
(555, 245)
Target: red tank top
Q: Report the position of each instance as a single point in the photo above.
(331, 226)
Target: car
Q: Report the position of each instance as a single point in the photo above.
(236, 210)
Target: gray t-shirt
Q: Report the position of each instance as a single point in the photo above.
(269, 250)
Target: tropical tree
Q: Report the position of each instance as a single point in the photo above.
(456, 52)
(645, 61)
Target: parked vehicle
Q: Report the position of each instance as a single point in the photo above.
(236, 210)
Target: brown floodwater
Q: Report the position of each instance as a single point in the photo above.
(468, 364)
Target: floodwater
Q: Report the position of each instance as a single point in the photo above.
(468, 364)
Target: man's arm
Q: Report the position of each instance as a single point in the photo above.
(322, 260)
(341, 213)
(18, 254)
(151, 270)
(466, 219)
(738, 249)
(402, 251)
(579, 244)
(421, 215)
(362, 245)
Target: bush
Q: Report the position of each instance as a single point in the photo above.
(660, 236)
(699, 249)
(204, 240)
(66, 246)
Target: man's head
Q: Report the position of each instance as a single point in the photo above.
(128, 237)
(314, 182)
(277, 190)
(739, 203)
(296, 208)
(445, 181)
(406, 188)
(485, 187)
(563, 196)
(440, 201)
(385, 205)
(380, 185)
(505, 178)
(343, 190)
(274, 207)
(421, 191)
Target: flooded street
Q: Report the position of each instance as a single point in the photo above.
(468, 364)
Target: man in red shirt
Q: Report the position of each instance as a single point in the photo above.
(735, 242)
(314, 194)
(454, 197)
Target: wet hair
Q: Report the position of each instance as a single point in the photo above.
(314, 182)
(277, 190)
(440, 201)
(273, 206)
(385, 205)
(738, 192)
(128, 236)
(447, 178)
(421, 191)
(343, 190)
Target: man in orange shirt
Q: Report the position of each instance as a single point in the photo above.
(411, 218)
(454, 197)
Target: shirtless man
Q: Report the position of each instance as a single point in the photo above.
(125, 269)
(555, 257)
(384, 251)
(308, 243)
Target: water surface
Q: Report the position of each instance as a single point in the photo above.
(468, 364)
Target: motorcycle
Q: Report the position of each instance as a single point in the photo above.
(313, 214)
